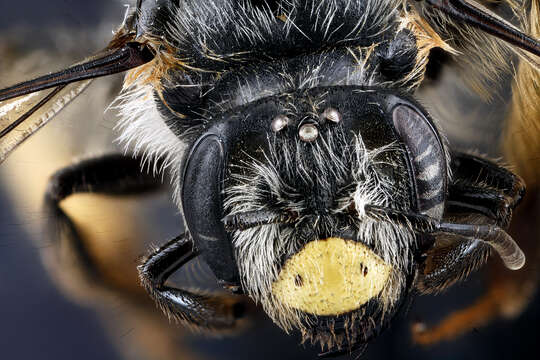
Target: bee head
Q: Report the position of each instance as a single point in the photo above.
(291, 140)
(293, 178)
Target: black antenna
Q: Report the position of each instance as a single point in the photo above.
(463, 11)
(110, 62)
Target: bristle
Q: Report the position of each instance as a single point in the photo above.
(144, 133)
(426, 40)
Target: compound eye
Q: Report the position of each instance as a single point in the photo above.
(427, 156)
(279, 123)
(332, 115)
(308, 133)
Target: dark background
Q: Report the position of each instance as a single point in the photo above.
(37, 322)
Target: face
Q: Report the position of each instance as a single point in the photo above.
(335, 273)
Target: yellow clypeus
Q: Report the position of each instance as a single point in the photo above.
(331, 277)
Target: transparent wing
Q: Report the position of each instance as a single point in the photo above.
(23, 116)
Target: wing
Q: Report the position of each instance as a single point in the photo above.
(28, 106)
(23, 116)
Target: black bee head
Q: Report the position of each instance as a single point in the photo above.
(291, 137)
(280, 187)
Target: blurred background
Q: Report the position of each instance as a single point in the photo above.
(51, 311)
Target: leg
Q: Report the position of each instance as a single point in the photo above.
(120, 175)
(110, 174)
(451, 259)
(466, 198)
(483, 187)
(508, 293)
(204, 311)
(459, 322)
(98, 268)
(463, 247)
(475, 170)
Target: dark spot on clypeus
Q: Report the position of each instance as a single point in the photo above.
(298, 280)
(363, 269)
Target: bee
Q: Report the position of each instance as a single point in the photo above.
(309, 177)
